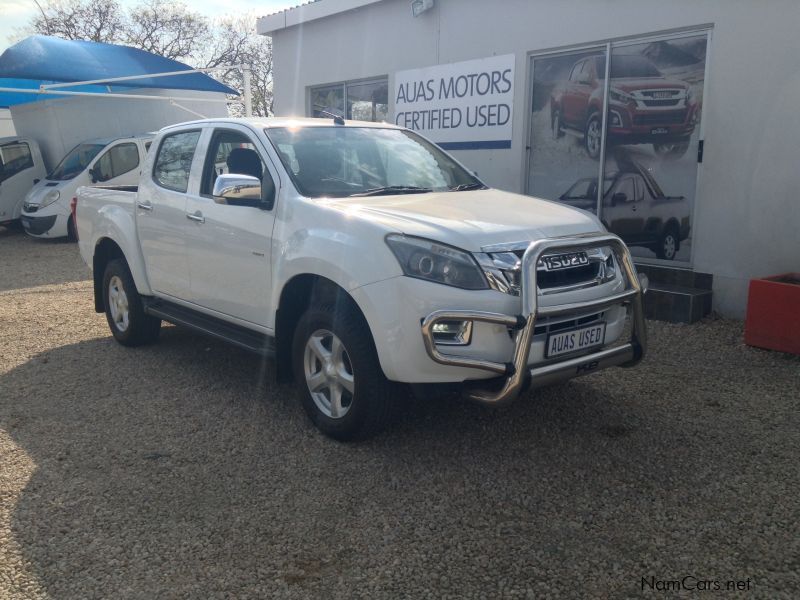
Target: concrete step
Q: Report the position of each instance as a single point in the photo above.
(676, 303)
(676, 276)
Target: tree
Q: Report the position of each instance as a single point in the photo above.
(171, 30)
(166, 28)
(97, 21)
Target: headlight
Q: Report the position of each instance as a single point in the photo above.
(49, 198)
(432, 261)
(619, 96)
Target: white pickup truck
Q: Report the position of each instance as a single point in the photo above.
(359, 256)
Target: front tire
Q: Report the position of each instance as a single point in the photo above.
(128, 322)
(592, 136)
(339, 378)
(556, 125)
(72, 232)
(671, 151)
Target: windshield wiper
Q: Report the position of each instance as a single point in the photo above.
(466, 187)
(393, 189)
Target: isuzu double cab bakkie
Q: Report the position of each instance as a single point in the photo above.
(361, 257)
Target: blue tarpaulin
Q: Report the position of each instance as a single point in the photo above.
(40, 59)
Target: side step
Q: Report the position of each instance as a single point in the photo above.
(238, 336)
(676, 295)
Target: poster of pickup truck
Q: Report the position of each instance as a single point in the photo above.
(651, 134)
(636, 209)
(644, 105)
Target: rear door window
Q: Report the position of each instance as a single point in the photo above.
(174, 160)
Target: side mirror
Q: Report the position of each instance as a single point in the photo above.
(619, 198)
(35, 181)
(241, 190)
(93, 175)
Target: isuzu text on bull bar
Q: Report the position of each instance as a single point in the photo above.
(359, 256)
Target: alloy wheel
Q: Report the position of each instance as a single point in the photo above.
(329, 373)
(118, 304)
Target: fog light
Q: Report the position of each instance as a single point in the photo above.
(453, 333)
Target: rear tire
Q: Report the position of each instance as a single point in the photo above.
(340, 381)
(129, 324)
(668, 244)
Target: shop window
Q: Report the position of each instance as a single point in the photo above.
(648, 140)
(358, 100)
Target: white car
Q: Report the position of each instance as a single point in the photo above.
(47, 211)
(21, 167)
(359, 256)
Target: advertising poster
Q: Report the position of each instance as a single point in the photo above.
(655, 95)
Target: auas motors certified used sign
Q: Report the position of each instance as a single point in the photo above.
(461, 106)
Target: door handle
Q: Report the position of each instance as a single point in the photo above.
(197, 216)
(144, 205)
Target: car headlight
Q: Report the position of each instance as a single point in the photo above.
(49, 198)
(432, 261)
(619, 96)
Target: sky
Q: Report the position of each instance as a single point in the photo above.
(16, 13)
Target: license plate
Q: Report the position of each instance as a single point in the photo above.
(573, 340)
(25, 224)
(659, 130)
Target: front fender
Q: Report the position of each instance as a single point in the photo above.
(350, 257)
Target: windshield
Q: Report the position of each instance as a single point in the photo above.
(350, 161)
(75, 162)
(628, 65)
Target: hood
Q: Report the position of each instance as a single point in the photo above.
(470, 220)
(632, 84)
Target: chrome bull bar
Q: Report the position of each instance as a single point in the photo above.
(523, 325)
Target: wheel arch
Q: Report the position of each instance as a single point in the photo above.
(300, 292)
(105, 250)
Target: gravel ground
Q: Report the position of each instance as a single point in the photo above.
(180, 471)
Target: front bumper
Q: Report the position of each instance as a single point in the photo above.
(523, 326)
(38, 225)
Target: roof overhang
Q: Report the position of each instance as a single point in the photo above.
(318, 9)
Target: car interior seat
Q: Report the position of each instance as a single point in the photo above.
(245, 161)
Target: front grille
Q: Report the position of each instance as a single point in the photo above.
(668, 102)
(665, 118)
(503, 269)
(547, 325)
(563, 277)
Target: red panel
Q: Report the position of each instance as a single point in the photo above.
(773, 313)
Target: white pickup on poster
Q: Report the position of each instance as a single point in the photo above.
(460, 106)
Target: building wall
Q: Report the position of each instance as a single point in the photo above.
(747, 216)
